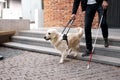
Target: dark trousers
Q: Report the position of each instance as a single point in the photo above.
(89, 16)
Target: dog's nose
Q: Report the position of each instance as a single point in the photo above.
(45, 37)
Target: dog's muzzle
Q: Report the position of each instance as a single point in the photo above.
(46, 38)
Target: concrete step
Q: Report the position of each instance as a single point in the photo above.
(35, 34)
(31, 41)
(52, 51)
(99, 49)
(113, 40)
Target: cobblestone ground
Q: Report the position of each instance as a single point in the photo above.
(36, 66)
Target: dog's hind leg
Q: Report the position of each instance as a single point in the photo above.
(76, 51)
(76, 54)
(69, 51)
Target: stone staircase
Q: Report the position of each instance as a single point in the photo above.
(33, 40)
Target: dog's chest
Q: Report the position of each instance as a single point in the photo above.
(61, 45)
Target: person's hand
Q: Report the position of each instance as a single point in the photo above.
(105, 4)
(73, 16)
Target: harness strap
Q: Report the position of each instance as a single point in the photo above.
(70, 22)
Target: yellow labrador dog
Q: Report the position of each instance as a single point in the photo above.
(56, 39)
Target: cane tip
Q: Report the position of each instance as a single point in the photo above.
(88, 67)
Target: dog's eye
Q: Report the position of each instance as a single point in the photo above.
(49, 33)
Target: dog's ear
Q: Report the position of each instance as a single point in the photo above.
(54, 35)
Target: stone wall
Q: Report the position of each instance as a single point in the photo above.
(58, 12)
(14, 24)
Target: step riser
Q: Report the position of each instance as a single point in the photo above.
(99, 41)
(37, 43)
(99, 51)
(35, 35)
(111, 42)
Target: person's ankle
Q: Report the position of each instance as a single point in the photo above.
(106, 42)
(86, 53)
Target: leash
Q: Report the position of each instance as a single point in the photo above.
(91, 54)
(70, 22)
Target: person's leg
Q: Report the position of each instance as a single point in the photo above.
(104, 26)
(89, 15)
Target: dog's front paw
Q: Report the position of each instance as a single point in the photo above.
(61, 61)
(75, 55)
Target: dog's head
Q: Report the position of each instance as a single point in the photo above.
(51, 34)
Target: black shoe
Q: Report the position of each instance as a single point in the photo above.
(106, 43)
(1, 57)
(87, 53)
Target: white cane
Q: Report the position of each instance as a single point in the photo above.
(88, 66)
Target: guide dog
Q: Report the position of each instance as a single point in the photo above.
(56, 39)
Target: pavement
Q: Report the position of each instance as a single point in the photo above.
(25, 65)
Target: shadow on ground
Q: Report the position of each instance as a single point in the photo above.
(9, 52)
